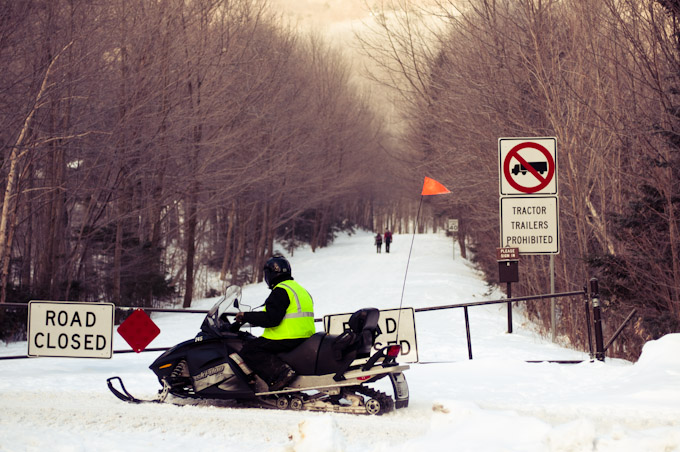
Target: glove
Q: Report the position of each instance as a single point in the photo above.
(239, 317)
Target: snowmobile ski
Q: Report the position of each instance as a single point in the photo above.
(125, 396)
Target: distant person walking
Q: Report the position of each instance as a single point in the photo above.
(378, 242)
(388, 240)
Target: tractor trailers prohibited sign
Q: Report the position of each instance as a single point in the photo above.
(527, 166)
(530, 224)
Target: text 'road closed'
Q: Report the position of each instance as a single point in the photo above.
(69, 329)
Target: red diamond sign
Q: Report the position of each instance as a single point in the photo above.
(138, 330)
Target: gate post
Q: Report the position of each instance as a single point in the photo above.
(597, 319)
(508, 272)
(586, 304)
(467, 331)
(509, 308)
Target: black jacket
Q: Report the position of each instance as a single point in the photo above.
(276, 304)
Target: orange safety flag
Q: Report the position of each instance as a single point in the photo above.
(432, 187)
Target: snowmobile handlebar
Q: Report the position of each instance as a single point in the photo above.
(232, 327)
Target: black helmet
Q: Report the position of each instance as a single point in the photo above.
(276, 269)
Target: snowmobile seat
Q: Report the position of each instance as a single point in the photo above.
(363, 328)
(338, 352)
(328, 353)
(364, 324)
(303, 357)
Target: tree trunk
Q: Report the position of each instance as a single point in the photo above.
(10, 238)
(15, 158)
(231, 218)
(461, 237)
(261, 244)
(190, 248)
(117, 261)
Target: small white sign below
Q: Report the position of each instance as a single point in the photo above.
(530, 224)
(70, 329)
(395, 326)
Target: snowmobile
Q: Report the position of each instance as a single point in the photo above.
(333, 370)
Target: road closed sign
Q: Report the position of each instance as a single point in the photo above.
(527, 166)
(395, 326)
(70, 329)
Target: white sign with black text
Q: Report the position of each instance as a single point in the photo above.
(394, 326)
(70, 329)
(530, 224)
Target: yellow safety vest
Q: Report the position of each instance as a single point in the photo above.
(299, 319)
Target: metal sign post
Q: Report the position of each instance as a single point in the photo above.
(508, 272)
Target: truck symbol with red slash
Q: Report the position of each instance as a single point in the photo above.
(539, 167)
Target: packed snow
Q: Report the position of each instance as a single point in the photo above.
(495, 402)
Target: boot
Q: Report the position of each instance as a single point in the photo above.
(285, 377)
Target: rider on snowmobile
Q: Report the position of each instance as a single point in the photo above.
(288, 320)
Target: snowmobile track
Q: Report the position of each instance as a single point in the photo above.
(376, 403)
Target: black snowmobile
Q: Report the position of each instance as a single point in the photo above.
(333, 370)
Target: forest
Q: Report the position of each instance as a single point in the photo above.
(148, 143)
(603, 78)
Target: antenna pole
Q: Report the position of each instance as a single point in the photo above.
(403, 287)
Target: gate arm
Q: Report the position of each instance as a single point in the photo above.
(623, 325)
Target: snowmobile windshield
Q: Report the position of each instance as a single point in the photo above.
(215, 323)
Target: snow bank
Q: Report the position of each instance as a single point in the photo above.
(661, 354)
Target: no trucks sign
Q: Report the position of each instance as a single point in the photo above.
(528, 166)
